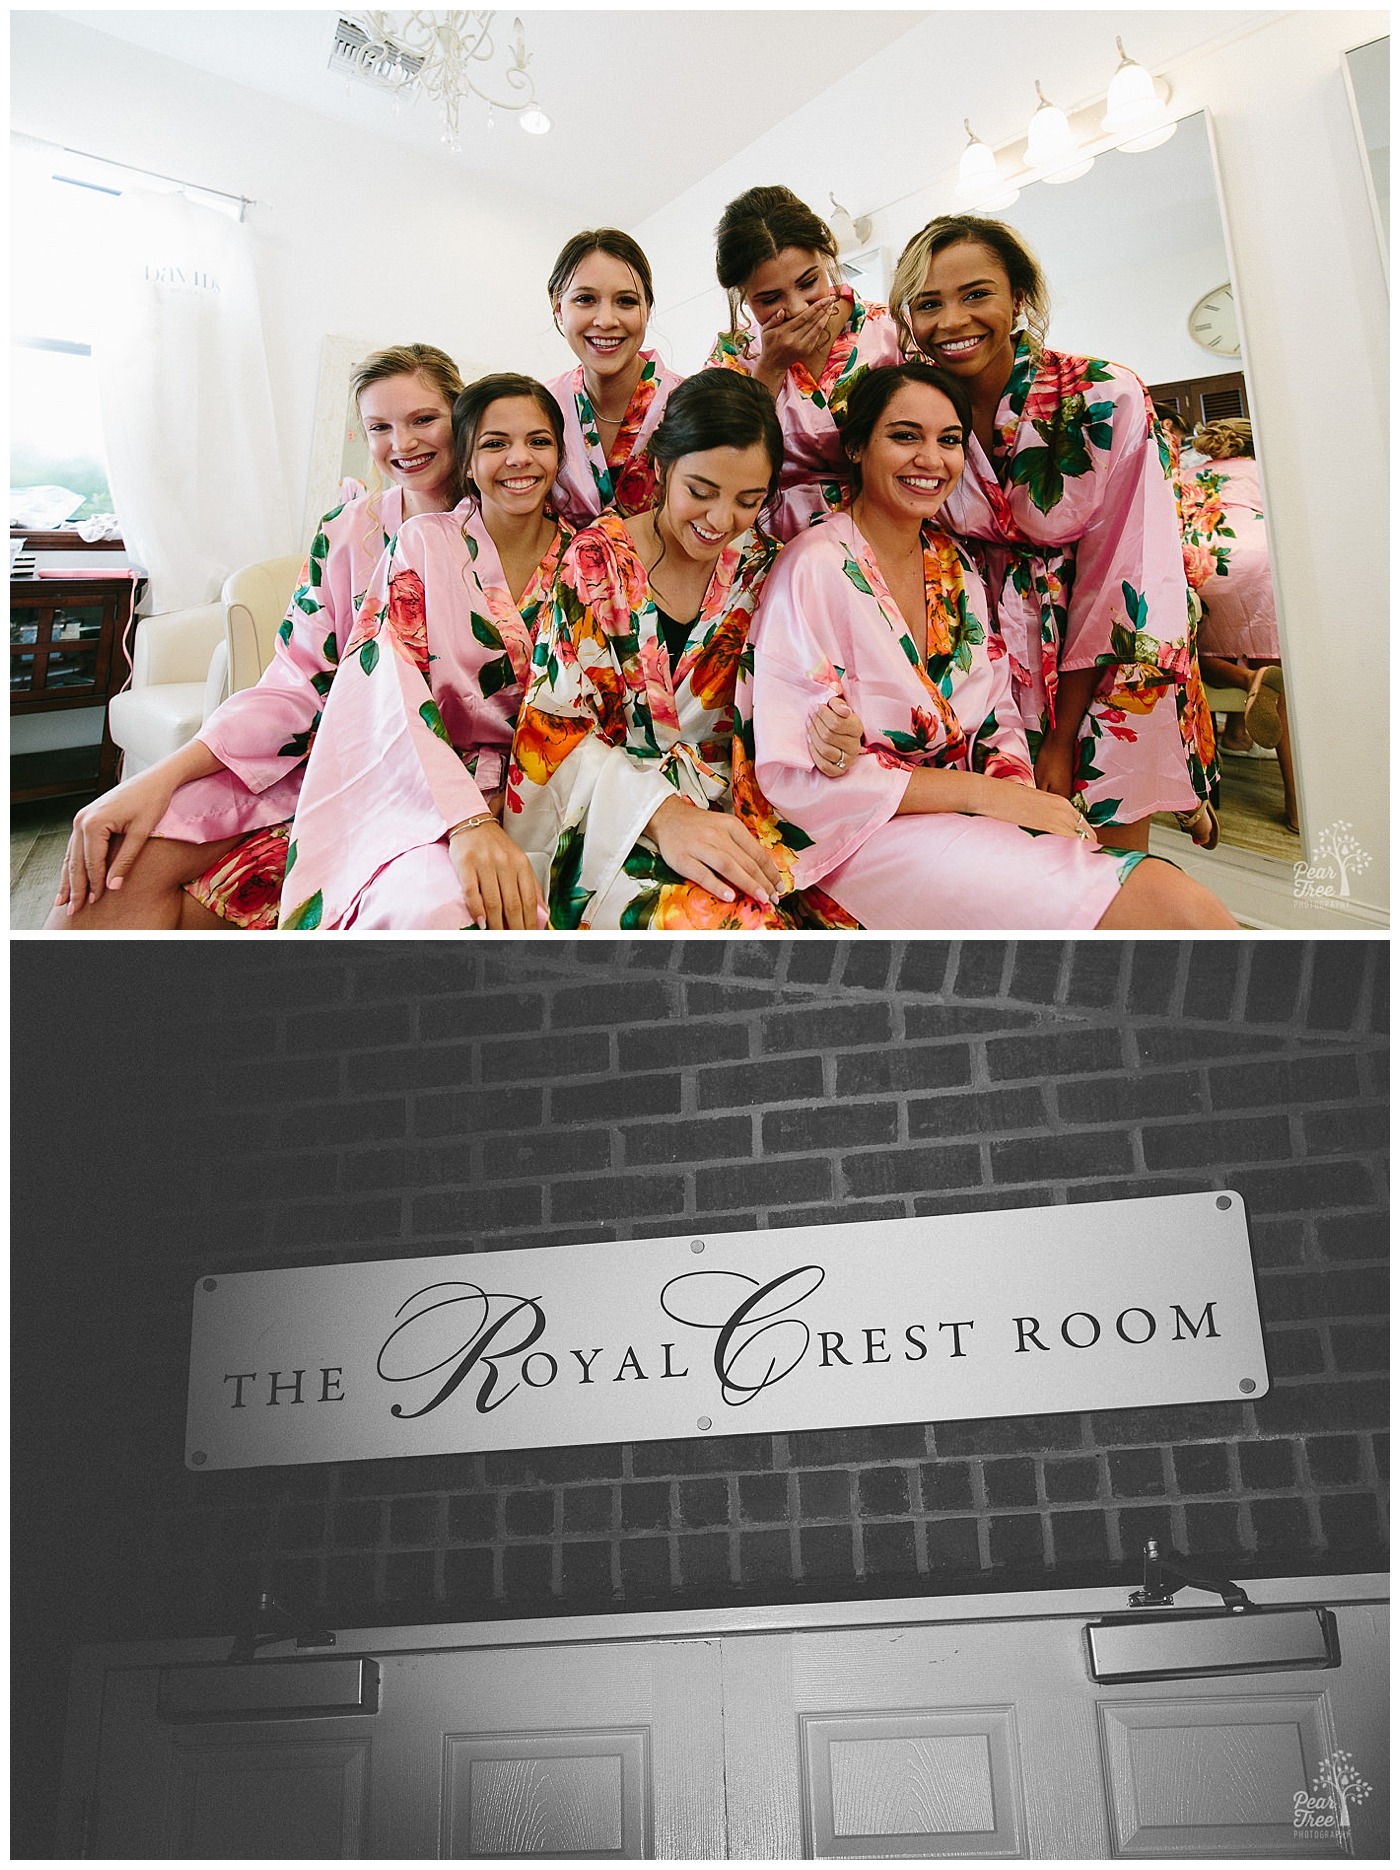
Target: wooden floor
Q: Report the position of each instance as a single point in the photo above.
(1251, 808)
(1251, 818)
(38, 837)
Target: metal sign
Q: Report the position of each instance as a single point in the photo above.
(1108, 1305)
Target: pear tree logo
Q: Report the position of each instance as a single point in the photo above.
(1338, 856)
(1337, 1788)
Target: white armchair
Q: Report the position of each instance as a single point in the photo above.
(174, 684)
(185, 662)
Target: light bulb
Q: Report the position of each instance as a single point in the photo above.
(1052, 149)
(535, 121)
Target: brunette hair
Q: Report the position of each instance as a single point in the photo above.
(1226, 438)
(1003, 242)
(409, 360)
(872, 393)
(717, 409)
(609, 240)
(757, 226)
(470, 408)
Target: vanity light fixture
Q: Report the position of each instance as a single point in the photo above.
(1136, 108)
(451, 57)
(1053, 151)
(981, 183)
(1060, 148)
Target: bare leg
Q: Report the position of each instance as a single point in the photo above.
(1158, 896)
(153, 894)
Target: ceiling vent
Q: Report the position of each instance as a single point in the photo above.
(376, 62)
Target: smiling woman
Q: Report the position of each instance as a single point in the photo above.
(199, 840)
(619, 784)
(600, 292)
(938, 822)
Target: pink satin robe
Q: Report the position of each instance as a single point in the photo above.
(1077, 531)
(263, 734)
(592, 477)
(1223, 512)
(416, 732)
(827, 622)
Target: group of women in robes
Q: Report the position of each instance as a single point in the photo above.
(879, 620)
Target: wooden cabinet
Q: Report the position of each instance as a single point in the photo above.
(67, 650)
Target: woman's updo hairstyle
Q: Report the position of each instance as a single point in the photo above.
(951, 230)
(1226, 438)
(757, 226)
(409, 360)
(717, 409)
(609, 240)
(873, 391)
(470, 408)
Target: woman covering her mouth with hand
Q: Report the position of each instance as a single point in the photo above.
(937, 822)
(600, 292)
(619, 784)
(808, 339)
(398, 826)
(1068, 499)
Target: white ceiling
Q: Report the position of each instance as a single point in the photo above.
(648, 102)
(656, 97)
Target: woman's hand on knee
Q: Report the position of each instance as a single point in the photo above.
(497, 881)
(125, 816)
(714, 850)
(1037, 811)
(834, 736)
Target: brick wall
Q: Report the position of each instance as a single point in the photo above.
(311, 1104)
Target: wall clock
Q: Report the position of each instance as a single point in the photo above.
(1213, 324)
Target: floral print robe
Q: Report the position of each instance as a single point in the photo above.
(416, 730)
(592, 477)
(1227, 559)
(263, 734)
(609, 732)
(1077, 535)
(814, 479)
(828, 623)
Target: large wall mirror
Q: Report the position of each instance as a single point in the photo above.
(1139, 271)
(1367, 69)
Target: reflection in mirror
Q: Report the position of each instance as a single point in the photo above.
(1139, 272)
(1367, 70)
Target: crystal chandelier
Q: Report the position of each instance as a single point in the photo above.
(450, 56)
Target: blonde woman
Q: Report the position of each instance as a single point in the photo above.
(199, 840)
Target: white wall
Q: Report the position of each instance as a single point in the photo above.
(368, 242)
(1315, 319)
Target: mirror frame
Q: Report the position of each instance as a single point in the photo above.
(1378, 219)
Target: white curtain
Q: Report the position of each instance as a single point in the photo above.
(187, 411)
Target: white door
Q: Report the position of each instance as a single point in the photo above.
(990, 1739)
(597, 1750)
(985, 1737)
